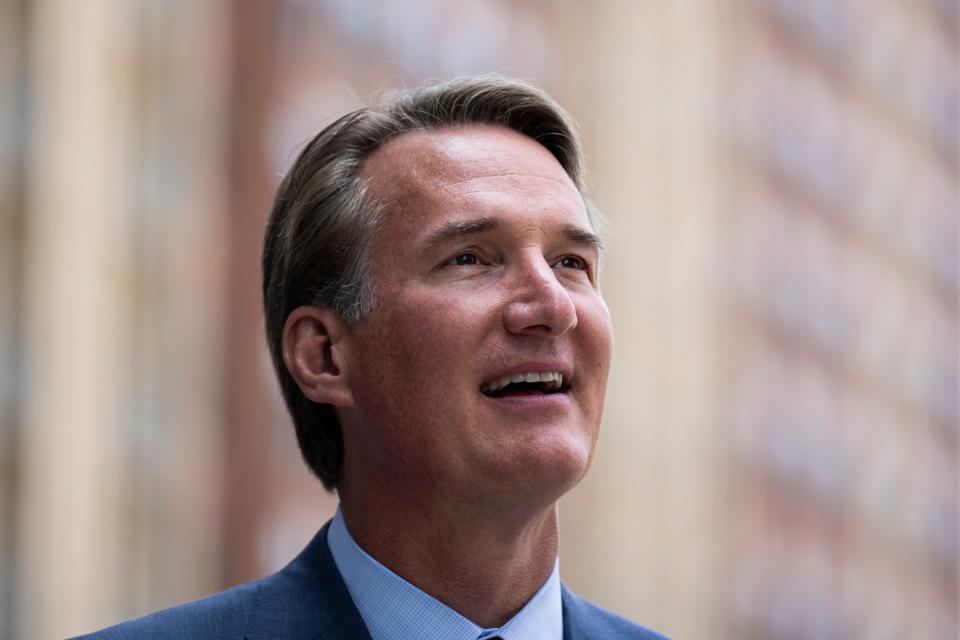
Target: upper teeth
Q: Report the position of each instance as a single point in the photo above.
(554, 378)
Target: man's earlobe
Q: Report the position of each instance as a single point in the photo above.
(313, 351)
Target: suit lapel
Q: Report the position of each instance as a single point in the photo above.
(307, 600)
(575, 624)
(346, 626)
(345, 622)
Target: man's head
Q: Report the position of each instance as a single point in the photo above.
(372, 326)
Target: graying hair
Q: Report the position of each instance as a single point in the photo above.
(320, 233)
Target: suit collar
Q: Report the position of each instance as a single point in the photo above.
(308, 598)
(575, 625)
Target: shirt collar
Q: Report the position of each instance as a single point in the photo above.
(394, 609)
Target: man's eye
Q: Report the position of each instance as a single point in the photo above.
(571, 262)
(465, 259)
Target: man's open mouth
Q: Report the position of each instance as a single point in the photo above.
(522, 384)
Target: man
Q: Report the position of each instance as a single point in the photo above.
(430, 280)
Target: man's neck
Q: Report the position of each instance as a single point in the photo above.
(486, 568)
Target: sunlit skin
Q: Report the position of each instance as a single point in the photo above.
(484, 261)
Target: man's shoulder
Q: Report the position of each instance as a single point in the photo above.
(583, 619)
(304, 598)
(223, 615)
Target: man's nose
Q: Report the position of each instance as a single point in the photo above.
(539, 304)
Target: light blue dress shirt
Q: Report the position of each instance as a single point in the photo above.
(394, 609)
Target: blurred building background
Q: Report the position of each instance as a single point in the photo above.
(779, 456)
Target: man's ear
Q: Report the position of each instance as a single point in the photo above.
(313, 350)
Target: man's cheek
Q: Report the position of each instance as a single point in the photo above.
(421, 354)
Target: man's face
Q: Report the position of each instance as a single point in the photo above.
(484, 270)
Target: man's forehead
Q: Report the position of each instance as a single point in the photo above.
(417, 163)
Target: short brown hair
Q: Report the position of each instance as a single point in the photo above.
(318, 239)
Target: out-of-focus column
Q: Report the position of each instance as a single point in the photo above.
(77, 330)
(639, 534)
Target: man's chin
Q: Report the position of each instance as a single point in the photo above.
(541, 473)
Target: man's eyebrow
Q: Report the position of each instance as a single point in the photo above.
(455, 229)
(582, 236)
(450, 230)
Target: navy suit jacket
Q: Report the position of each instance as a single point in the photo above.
(308, 600)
